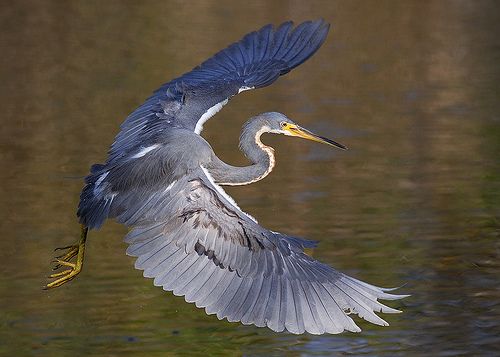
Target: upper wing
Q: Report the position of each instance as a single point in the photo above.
(195, 241)
(188, 101)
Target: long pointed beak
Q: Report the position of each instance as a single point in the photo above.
(295, 130)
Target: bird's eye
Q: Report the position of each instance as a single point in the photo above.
(283, 124)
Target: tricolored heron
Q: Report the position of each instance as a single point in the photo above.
(164, 180)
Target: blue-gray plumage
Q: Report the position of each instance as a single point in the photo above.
(164, 180)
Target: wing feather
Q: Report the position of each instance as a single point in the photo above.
(297, 293)
(182, 288)
(257, 60)
(195, 242)
(206, 281)
(250, 299)
(272, 306)
(173, 278)
(263, 302)
(217, 290)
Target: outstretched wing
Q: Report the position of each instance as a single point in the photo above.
(188, 101)
(195, 241)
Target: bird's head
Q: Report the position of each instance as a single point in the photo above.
(280, 124)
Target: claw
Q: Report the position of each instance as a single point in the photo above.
(66, 247)
(77, 250)
(71, 253)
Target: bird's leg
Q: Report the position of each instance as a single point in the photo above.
(77, 250)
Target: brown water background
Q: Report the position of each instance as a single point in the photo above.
(411, 87)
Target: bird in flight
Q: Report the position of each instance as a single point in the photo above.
(163, 179)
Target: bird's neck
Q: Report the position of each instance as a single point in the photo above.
(260, 156)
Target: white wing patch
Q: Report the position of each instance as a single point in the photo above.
(208, 114)
(144, 151)
(223, 193)
(213, 110)
(169, 187)
(97, 188)
(244, 88)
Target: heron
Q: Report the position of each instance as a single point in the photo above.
(163, 180)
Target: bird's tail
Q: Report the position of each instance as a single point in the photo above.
(96, 198)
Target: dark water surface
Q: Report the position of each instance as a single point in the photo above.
(411, 87)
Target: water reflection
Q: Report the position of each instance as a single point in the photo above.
(410, 87)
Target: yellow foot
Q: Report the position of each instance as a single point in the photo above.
(77, 250)
(72, 251)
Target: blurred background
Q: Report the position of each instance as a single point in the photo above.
(411, 87)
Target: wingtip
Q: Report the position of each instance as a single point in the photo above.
(396, 288)
(322, 24)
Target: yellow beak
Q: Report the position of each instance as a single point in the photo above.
(295, 130)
